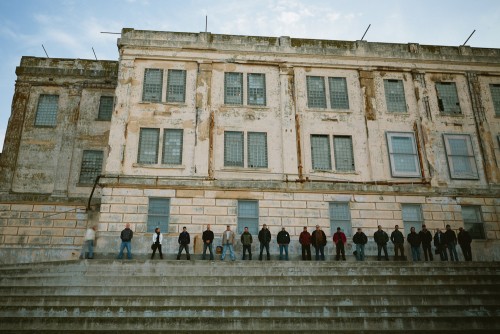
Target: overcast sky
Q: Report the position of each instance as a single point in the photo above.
(70, 28)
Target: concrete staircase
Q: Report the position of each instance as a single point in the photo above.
(246, 297)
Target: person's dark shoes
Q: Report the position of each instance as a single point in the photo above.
(178, 257)
(189, 257)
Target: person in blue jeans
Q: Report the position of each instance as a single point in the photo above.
(414, 239)
(126, 237)
(283, 239)
(451, 242)
(228, 239)
(360, 239)
(88, 246)
(318, 240)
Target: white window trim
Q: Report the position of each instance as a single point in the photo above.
(395, 173)
(471, 156)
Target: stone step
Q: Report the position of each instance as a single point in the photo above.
(279, 311)
(142, 324)
(94, 279)
(327, 289)
(250, 300)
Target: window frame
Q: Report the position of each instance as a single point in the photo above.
(408, 224)
(89, 178)
(390, 99)
(159, 89)
(480, 234)
(170, 96)
(415, 154)
(42, 119)
(334, 100)
(264, 97)
(150, 223)
(180, 147)
(322, 104)
(344, 224)
(252, 221)
(254, 149)
(139, 160)
(241, 162)
(103, 115)
(313, 150)
(336, 154)
(441, 101)
(495, 98)
(228, 101)
(470, 156)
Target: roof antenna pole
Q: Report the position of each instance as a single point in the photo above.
(206, 22)
(94, 53)
(366, 31)
(469, 37)
(45, 51)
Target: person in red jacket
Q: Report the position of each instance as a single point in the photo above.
(339, 240)
(305, 241)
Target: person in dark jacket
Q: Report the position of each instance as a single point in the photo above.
(414, 241)
(360, 241)
(381, 238)
(398, 240)
(318, 240)
(126, 237)
(184, 241)
(208, 239)
(283, 239)
(464, 240)
(426, 239)
(246, 241)
(451, 243)
(440, 244)
(305, 242)
(339, 240)
(264, 239)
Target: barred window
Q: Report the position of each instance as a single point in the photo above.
(105, 108)
(340, 216)
(176, 86)
(248, 215)
(152, 86)
(461, 161)
(344, 156)
(256, 89)
(338, 93)
(233, 148)
(403, 154)
(448, 98)
(320, 152)
(158, 214)
(316, 92)
(46, 112)
(148, 146)
(412, 217)
(233, 88)
(257, 149)
(495, 97)
(172, 146)
(91, 166)
(473, 221)
(395, 96)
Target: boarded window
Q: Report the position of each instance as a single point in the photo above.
(148, 146)
(172, 146)
(395, 95)
(158, 214)
(233, 88)
(316, 92)
(176, 86)
(320, 152)
(152, 86)
(448, 98)
(461, 161)
(105, 108)
(91, 166)
(46, 112)
(403, 154)
(233, 148)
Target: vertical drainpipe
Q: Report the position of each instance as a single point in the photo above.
(299, 148)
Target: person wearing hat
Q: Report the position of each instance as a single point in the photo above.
(339, 240)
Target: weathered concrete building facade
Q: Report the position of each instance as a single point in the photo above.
(218, 129)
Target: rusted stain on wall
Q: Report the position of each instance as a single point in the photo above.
(368, 86)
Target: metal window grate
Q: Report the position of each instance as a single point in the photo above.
(448, 98)
(46, 112)
(256, 93)
(158, 214)
(338, 93)
(91, 166)
(395, 96)
(176, 86)
(257, 149)
(233, 88)
(153, 80)
(316, 92)
(412, 217)
(172, 146)
(473, 221)
(148, 146)
(105, 108)
(233, 148)
(460, 155)
(403, 155)
(340, 216)
(248, 215)
(320, 152)
(495, 96)
(344, 157)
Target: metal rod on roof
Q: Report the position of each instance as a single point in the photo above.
(469, 37)
(206, 23)
(108, 32)
(366, 31)
(94, 53)
(45, 51)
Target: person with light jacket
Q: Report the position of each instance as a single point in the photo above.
(157, 240)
